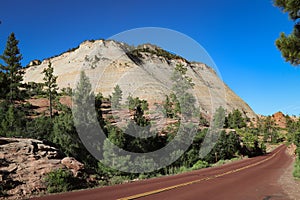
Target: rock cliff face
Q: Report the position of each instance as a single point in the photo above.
(279, 119)
(24, 164)
(142, 72)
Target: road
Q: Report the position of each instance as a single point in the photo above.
(249, 179)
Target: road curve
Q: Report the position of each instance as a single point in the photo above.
(254, 178)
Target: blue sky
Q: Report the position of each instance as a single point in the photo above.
(239, 35)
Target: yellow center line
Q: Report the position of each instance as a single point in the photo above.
(195, 181)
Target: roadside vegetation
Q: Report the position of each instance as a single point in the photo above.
(238, 136)
(289, 46)
(293, 128)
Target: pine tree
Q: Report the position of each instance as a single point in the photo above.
(182, 83)
(85, 116)
(289, 45)
(12, 120)
(219, 118)
(112, 149)
(51, 85)
(116, 97)
(64, 134)
(98, 103)
(83, 97)
(3, 85)
(168, 110)
(12, 71)
(235, 120)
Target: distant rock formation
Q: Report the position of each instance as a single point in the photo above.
(24, 164)
(279, 119)
(34, 63)
(142, 71)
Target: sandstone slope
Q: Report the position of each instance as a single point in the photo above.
(142, 72)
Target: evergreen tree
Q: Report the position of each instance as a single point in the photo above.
(98, 103)
(34, 89)
(269, 130)
(110, 152)
(181, 86)
(235, 120)
(83, 97)
(51, 86)
(3, 85)
(11, 71)
(168, 109)
(13, 121)
(176, 104)
(116, 97)
(219, 118)
(289, 45)
(133, 103)
(65, 135)
(86, 118)
(226, 147)
(39, 128)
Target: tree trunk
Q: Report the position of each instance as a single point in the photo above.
(50, 104)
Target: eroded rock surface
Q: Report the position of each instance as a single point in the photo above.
(24, 164)
(140, 71)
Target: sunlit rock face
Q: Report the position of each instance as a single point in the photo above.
(142, 71)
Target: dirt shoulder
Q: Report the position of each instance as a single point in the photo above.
(287, 181)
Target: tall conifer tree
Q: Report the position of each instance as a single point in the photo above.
(11, 71)
(289, 45)
(51, 85)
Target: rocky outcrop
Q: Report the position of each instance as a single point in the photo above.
(34, 63)
(72, 164)
(279, 119)
(24, 164)
(142, 72)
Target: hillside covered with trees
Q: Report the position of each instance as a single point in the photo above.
(238, 136)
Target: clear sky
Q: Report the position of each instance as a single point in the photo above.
(239, 35)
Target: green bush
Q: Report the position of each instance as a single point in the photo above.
(39, 128)
(34, 89)
(12, 120)
(200, 164)
(223, 162)
(143, 176)
(59, 180)
(102, 183)
(66, 91)
(296, 172)
(118, 180)
(220, 162)
(182, 169)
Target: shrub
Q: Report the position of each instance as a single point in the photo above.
(34, 89)
(223, 162)
(200, 164)
(12, 121)
(181, 169)
(118, 180)
(296, 172)
(143, 176)
(59, 180)
(220, 162)
(66, 91)
(102, 183)
(39, 128)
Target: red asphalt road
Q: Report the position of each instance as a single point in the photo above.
(249, 179)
